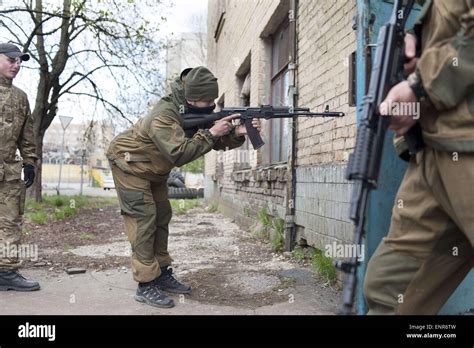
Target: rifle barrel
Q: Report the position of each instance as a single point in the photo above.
(309, 114)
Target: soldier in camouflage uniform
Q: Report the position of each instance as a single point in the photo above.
(16, 133)
(141, 159)
(429, 248)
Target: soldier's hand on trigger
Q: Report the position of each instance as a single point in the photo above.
(223, 126)
(241, 130)
(410, 54)
(400, 93)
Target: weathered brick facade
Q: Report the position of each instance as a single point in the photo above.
(239, 41)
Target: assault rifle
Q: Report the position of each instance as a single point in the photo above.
(193, 121)
(364, 163)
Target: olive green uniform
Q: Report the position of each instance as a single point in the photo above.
(16, 133)
(429, 248)
(141, 159)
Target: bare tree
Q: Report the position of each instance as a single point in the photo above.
(79, 44)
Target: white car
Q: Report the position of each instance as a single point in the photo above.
(109, 183)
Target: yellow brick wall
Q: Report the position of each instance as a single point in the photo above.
(239, 39)
(325, 41)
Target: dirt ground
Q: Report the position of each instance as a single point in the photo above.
(89, 228)
(226, 266)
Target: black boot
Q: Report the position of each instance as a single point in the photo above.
(12, 280)
(167, 282)
(150, 294)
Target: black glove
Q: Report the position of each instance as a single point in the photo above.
(29, 175)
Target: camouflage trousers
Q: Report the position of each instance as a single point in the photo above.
(429, 248)
(12, 203)
(147, 212)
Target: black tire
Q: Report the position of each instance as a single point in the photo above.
(182, 193)
(175, 182)
(176, 179)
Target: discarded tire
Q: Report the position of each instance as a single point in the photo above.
(184, 193)
(175, 182)
(176, 179)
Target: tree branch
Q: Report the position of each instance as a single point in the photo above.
(83, 77)
(105, 102)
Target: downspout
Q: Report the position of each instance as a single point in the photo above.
(290, 227)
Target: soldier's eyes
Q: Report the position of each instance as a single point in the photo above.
(14, 61)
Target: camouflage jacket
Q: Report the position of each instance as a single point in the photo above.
(157, 142)
(16, 131)
(446, 69)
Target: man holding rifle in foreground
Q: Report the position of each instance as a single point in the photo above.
(429, 249)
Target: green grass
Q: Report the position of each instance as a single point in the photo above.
(319, 262)
(299, 253)
(270, 229)
(181, 206)
(32, 205)
(62, 207)
(68, 211)
(264, 218)
(58, 215)
(323, 265)
(278, 238)
(40, 217)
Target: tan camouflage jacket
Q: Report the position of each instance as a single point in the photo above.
(16, 131)
(157, 142)
(446, 68)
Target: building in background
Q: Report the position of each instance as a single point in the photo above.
(286, 53)
(188, 50)
(92, 137)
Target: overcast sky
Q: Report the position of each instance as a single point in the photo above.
(180, 18)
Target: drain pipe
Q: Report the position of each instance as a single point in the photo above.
(290, 227)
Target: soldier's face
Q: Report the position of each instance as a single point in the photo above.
(9, 67)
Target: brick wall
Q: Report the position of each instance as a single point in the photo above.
(325, 41)
(238, 50)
